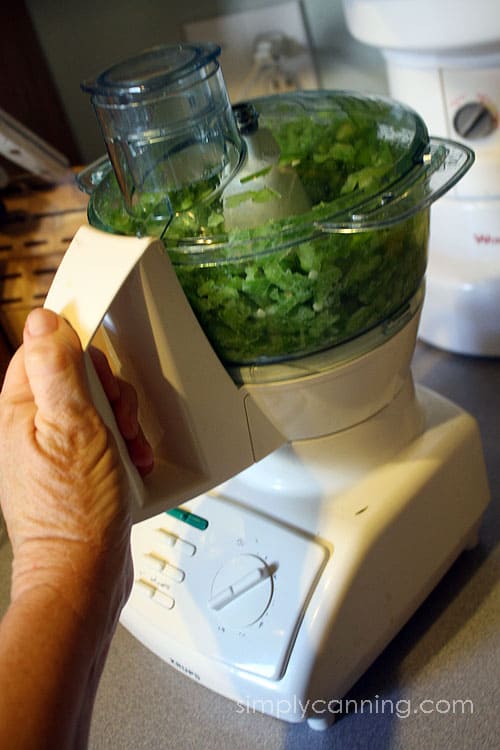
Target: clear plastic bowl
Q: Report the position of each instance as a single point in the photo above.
(307, 273)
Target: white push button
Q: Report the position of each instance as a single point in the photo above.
(146, 588)
(170, 539)
(164, 600)
(175, 574)
(152, 563)
(186, 547)
(167, 537)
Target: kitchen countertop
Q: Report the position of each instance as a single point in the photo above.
(448, 651)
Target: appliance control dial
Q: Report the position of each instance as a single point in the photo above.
(475, 119)
(242, 583)
(241, 590)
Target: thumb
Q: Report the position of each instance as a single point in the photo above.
(54, 367)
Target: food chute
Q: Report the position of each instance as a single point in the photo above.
(272, 364)
(446, 65)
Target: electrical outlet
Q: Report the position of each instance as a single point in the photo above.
(264, 51)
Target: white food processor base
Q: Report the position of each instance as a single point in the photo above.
(279, 588)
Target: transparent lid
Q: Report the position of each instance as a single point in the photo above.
(313, 162)
(155, 71)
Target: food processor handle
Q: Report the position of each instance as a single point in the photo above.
(87, 280)
(203, 428)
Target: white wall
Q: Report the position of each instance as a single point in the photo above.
(82, 37)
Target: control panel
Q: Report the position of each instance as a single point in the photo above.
(219, 576)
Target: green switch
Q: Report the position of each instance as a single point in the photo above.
(187, 517)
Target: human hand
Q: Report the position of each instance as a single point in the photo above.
(69, 524)
(60, 478)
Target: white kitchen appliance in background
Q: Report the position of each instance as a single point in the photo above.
(443, 59)
(306, 496)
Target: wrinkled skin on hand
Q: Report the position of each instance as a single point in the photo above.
(61, 486)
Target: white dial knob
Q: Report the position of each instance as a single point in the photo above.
(241, 591)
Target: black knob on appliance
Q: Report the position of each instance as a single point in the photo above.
(475, 120)
(247, 117)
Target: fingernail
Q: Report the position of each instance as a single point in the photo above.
(40, 322)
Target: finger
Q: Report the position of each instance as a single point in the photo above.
(125, 410)
(141, 453)
(105, 374)
(122, 395)
(123, 399)
(54, 365)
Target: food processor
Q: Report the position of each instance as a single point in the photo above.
(445, 63)
(257, 272)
